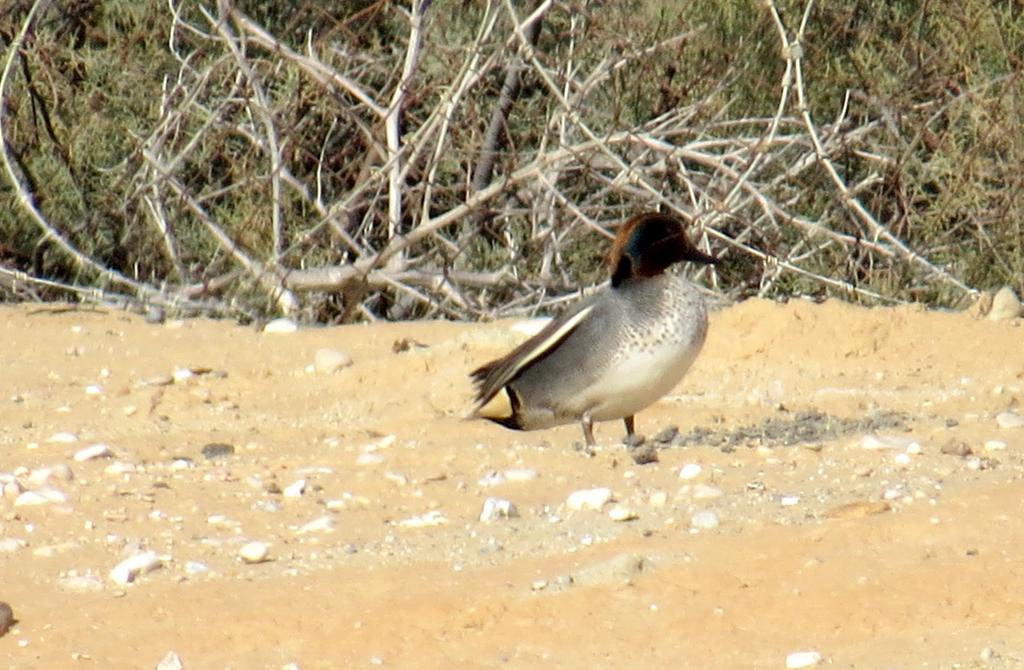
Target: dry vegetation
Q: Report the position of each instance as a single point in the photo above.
(371, 159)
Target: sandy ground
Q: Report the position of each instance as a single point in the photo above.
(900, 557)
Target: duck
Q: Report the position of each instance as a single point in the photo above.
(613, 353)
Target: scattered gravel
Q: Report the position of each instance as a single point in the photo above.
(803, 427)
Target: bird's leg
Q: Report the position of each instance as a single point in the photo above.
(588, 429)
(630, 422)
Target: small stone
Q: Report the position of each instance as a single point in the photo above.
(690, 471)
(495, 509)
(705, 492)
(666, 435)
(321, 524)
(59, 473)
(170, 662)
(158, 380)
(93, 452)
(878, 442)
(195, 568)
(521, 474)
(622, 513)
(1009, 420)
(491, 479)
(9, 545)
(632, 441)
(644, 454)
(254, 552)
(706, 520)
(42, 496)
(63, 438)
(995, 445)
(432, 518)
(295, 489)
(129, 569)
(1005, 305)
(118, 468)
(588, 499)
(369, 458)
(789, 501)
(956, 448)
(902, 459)
(281, 327)
(215, 450)
(155, 315)
(327, 361)
(987, 654)
(858, 510)
(80, 584)
(182, 375)
(93, 389)
(802, 659)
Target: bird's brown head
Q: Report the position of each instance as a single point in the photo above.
(648, 244)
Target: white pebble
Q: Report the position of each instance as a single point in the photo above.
(914, 449)
(705, 520)
(48, 475)
(434, 518)
(127, 570)
(118, 468)
(193, 568)
(321, 524)
(690, 471)
(520, 474)
(802, 659)
(495, 509)
(182, 375)
(369, 458)
(63, 438)
(705, 492)
(789, 501)
(622, 513)
(93, 389)
(657, 499)
(281, 326)
(42, 496)
(93, 452)
(79, 584)
(326, 361)
(254, 552)
(295, 489)
(995, 445)
(170, 662)
(592, 499)
(1005, 305)
(1009, 420)
(491, 479)
(877, 442)
(902, 459)
(9, 545)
